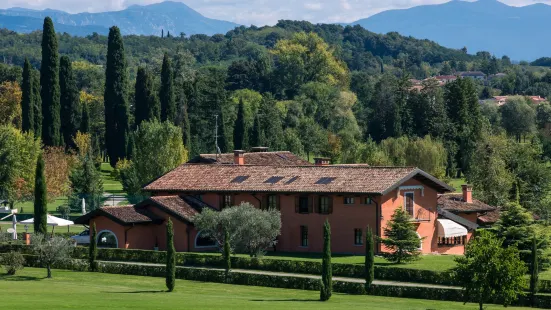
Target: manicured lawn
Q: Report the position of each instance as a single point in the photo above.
(77, 290)
(456, 183)
(28, 206)
(20, 228)
(110, 185)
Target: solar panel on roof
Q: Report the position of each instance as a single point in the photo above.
(273, 180)
(291, 180)
(240, 179)
(282, 156)
(325, 180)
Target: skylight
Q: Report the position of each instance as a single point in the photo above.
(240, 179)
(325, 180)
(291, 180)
(273, 180)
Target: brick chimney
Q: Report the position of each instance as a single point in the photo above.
(467, 193)
(238, 157)
(322, 161)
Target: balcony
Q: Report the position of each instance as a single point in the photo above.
(421, 215)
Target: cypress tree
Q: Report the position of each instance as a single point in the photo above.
(85, 119)
(146, 102)
(49, 86)
(166, 93)
(239, 131)
(170, 257)
(37, 104)
(369, 258)
(222, 138)
(27, 101)
(115, 98)
(257, 134)
(186, 127)
(70, 99)
(93, 248)
(40, 198)
(326, 267)
(534, 271)
(227, 253)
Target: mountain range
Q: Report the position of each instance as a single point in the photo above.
(484, 25)
(175, 17)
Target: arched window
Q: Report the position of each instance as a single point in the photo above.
(107, 239)
(203, 241)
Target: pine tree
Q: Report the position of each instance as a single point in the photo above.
(168, 102)
(49, 86)
(40, 198)
(222, 137)
(257, 134)
(146, 103)
(227, 254)
(27, 101)
(70, 99)
(115, 98)
(326, 266)
(170, 257)
(369, 258)
(85, 182)
(85, 119)
(240, 130)
(93, 248)
(37, 104)
(401, 238)
(534, 271)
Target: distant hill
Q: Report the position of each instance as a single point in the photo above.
(175, 17)
(489, 25)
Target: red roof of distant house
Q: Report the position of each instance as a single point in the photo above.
(455, 203)
(445, 77)
(124, 215)
(252, 178)
(281, 158)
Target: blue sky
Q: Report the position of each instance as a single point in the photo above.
(258, 12)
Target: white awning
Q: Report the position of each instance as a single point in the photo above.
(51, 221)
(448, 228)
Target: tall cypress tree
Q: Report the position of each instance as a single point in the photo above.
(115, 98)
(326, 267)
(170, 257)
(222, 137)
(146, 102)
(240, 131)
(40, 198)
(257, 133)
(186, 127)
(93, 248)
(49, 86)
(227, 253)
(166, 93)
(85, 119)
(534, 271)
(369, 258)
(70, 99)
(27, 101)
(37, 104)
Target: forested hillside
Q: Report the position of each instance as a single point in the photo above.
(316, 90)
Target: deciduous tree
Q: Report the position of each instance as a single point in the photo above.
(51, 250)
(10, 104)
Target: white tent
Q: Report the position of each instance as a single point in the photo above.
(51, 221)
(448, 229)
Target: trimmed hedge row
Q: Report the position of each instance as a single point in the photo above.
(276, 265)
(289, 282)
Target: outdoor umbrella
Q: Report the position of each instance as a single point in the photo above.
(51, 221)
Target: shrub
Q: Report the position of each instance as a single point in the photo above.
(12, 262)
(401, 238)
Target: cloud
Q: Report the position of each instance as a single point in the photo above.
(258, 12)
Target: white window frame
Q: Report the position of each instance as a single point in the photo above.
(349, 197)
(412, 200)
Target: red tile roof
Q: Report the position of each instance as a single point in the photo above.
(175, 205)
(123, 215)
(455, 203)
(283, 158)
(489, 217)
(250, 178)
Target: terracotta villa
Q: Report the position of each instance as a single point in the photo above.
(352, 197)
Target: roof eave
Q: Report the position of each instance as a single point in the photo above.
(416, 171)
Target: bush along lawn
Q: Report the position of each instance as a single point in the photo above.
(86, 290)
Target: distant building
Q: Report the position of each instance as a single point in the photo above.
(501, 100)
(445, 79)
(477, 75)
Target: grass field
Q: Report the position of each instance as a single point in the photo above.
(456, 183)
(77, 290)
(28, 206)
(110, 185)
(20, 228)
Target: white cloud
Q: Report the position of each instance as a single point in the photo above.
(258, 12)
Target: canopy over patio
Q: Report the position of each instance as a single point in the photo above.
(448, 229)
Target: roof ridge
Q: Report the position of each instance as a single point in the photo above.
(346, 166)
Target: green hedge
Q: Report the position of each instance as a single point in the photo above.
(276, 265)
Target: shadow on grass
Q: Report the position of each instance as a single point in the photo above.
(6, 277)
(137, 292)
(292, 299)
